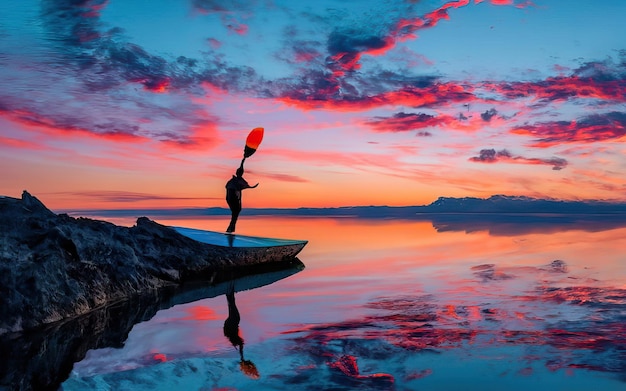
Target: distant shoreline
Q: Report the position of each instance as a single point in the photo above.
(354, 212)
(497, 205)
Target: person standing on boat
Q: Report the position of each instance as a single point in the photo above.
(233, 196)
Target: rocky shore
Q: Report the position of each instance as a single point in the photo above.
(54, 267)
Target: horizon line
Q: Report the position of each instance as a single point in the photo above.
(275, 208)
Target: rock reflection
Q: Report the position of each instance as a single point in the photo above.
(42, 360)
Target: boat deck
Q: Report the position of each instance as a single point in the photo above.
(234, 240)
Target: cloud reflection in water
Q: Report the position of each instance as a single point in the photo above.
(558, 327)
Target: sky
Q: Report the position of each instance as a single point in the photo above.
(147, 103)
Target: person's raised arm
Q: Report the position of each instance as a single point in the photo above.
(244, 185)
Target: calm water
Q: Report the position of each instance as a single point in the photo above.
(395, 305)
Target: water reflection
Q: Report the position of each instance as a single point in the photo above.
(526, 223)
(553, 321)
(400, 305)
(231, 331)
(42, 360)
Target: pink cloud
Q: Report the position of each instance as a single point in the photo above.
(347, 49)
(201, 135)
(407, 96)
(281, 177)
(590, 129)
(306, 56)
(18, 143)
(112, 196)
(401, 122)
(563, 88)
(60, 128)
(237, 28)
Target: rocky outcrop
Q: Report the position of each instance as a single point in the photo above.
(53, 267)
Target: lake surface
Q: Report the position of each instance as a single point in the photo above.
(397, 305)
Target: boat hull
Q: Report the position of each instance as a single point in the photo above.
(247, 249)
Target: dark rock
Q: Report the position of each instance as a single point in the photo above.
(53, 267)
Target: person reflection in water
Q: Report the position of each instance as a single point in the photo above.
(233, 196)
(231, 331)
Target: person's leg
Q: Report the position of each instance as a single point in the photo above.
(235, 209)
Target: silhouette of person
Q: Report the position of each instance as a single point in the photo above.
(233, 196)
(231, 331)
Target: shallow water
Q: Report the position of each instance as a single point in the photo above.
(389, 304)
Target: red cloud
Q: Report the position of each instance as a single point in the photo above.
(407, 96)
(347, 49)
(562, 88)
(403, 122)
(593, 128)
(406, 28)
(154, 84)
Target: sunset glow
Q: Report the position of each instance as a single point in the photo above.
(115, 104)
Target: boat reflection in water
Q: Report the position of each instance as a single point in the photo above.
(42, 360)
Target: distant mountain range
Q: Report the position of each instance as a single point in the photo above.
(520, 204)
(494, 205)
